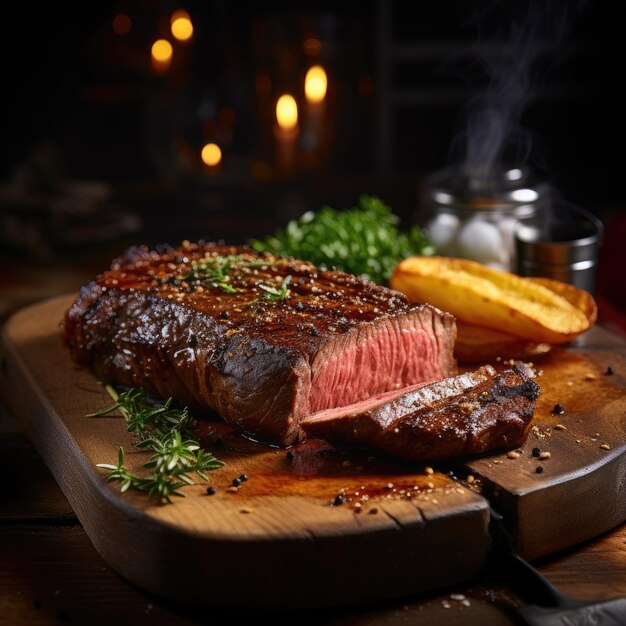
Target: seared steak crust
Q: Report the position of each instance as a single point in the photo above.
(446, 421)
(224, 339)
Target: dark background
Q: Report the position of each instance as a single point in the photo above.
(81, 103)
(68, 77)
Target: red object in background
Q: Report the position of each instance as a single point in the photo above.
(611, 276)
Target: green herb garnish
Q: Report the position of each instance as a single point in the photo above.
(165, 431)
(214, 272)
(363, 240)
(274, 293)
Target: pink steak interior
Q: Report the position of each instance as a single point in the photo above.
(378, 359)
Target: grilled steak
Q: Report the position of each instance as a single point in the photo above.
(465, 415)
(260, 340)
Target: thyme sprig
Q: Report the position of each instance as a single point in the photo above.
(276, 293)
(164, 430)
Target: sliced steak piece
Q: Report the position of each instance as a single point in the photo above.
(262, 341)
(465, 415)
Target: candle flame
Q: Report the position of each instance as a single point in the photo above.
(181, 25)
(315, 84)
(211, 154)
(287, 112)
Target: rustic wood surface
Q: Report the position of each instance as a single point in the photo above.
(51, 572)
(281, 514)
(583, 475)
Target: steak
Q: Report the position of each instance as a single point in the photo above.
(460, 416)
(262, 341)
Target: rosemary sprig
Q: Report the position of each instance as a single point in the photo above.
(166, 431)
(160, 486)
(273, 293)
(214, 272)
(144, 418)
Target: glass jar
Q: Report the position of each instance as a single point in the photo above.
(472, 213)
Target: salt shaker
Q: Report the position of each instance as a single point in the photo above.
(472, 212)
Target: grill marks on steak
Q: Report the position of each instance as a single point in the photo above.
(465, 415)
(261, 365)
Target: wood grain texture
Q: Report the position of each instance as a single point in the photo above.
(581, 490)
(50, 573)
(277, 536)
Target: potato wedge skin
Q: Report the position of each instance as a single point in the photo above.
(496, 299)
(578, 298)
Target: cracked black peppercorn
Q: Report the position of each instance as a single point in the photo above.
(314, 332)
(340, 499)
(289, 456)
(211, 491)
(243, 478)
(539, 469)
(610, 370)
(236, 482)
(558, 409)
(536, 452)
(224, 315)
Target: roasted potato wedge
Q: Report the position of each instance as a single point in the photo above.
(480, 344)
(578, 298)
(496, 299)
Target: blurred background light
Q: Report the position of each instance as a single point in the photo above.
(315, 84)
(181, 25)
(211, 154)
(287, 112)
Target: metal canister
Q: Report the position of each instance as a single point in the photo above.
(472, 212)
(562, 244)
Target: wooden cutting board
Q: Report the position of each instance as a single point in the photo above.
(277, 540)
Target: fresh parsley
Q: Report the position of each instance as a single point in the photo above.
(164, 430)
(363, 240)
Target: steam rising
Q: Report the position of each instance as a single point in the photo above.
(521, 49)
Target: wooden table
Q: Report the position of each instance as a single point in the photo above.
(50, 572)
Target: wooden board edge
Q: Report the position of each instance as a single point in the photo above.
(131, 542)
(572, 509)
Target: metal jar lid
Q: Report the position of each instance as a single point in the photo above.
(561, 243)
